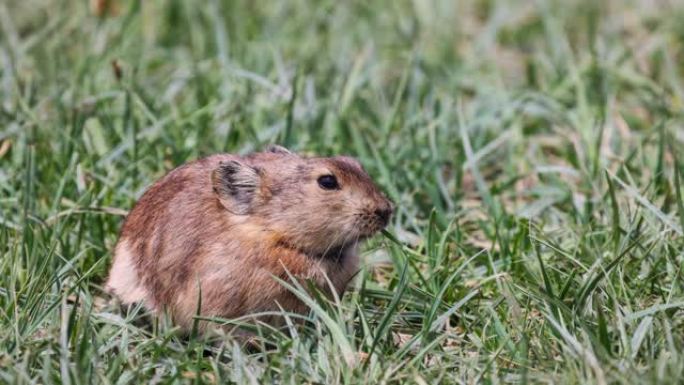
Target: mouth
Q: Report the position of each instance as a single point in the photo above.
(371, 222)
(364, 228)
(370, 227)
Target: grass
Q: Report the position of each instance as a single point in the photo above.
(534, 152)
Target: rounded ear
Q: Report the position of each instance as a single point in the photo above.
(274, 148)
(236, 184)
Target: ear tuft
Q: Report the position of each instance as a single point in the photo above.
(236, 185)
(276, 149)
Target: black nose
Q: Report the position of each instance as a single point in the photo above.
(384, 213)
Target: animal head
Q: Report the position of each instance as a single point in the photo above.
(313, 203)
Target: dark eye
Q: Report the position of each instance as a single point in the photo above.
(328, 182)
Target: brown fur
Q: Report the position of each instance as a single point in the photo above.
(226, 225)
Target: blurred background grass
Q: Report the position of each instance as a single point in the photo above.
(533, 150)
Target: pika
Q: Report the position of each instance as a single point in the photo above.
(212, 234)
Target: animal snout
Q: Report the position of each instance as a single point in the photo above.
(384, 213)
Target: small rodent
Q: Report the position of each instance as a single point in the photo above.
(226, 225)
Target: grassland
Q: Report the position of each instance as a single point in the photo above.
(533, 150)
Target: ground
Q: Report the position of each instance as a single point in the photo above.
(533, 151)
